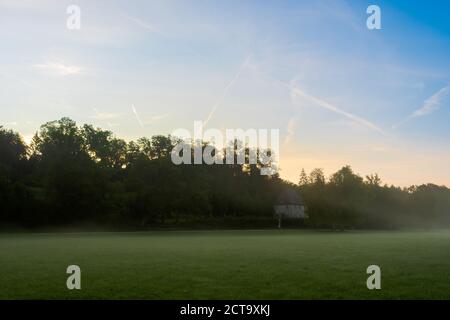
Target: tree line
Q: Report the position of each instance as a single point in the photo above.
(71, 175)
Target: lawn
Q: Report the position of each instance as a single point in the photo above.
(272, 264)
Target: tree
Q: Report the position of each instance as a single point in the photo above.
(60, 138)
(373, 180)
(317, 177)
(161, 147)
(104, 148)
(13, 149)
(72, 175)
(303, 180)
(346, 178)
(13, 167)
(70, 182)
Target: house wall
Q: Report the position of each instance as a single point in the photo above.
(290, 211)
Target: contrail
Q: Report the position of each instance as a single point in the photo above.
(137, 115)
(226, 90)
(337, 110)
(323, 104)
(432, 103)
(429, 106)
(146, 25)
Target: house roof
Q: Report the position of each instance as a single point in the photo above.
(289, 196)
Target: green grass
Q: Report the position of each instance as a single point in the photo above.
(226, 265)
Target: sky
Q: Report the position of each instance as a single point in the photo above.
(378, 100)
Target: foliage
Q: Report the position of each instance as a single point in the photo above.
(74, 174)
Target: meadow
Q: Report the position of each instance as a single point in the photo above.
(251, 264)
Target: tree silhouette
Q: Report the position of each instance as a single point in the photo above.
(77, 175)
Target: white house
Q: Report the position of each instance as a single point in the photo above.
(289, 205)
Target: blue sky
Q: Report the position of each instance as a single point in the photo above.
(378, 100)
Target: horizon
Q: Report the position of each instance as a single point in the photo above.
(340, 93)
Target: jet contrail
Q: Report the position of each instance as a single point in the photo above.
(324, 104)
(225, 91)
(429, 106)
(432, 103)
(146, 25)
(137, 115)
(337, 110)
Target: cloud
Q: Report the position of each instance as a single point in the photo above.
(290, 130)
(432, 103)
(153, 119)
(60, 69)
(296, 91)
(138, 118)
(328, 106)
(104, 115)
(227, 89)
(429, 106)
(145, 25)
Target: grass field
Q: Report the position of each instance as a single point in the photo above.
(226, 265)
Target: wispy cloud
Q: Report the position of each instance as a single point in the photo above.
(145, 25)
(430, 105)
(292, 123)
(138, 118)
(296, 91)
(60, 69)
(104, 115)
(226, 90)
(153, 119)
(328, 106)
